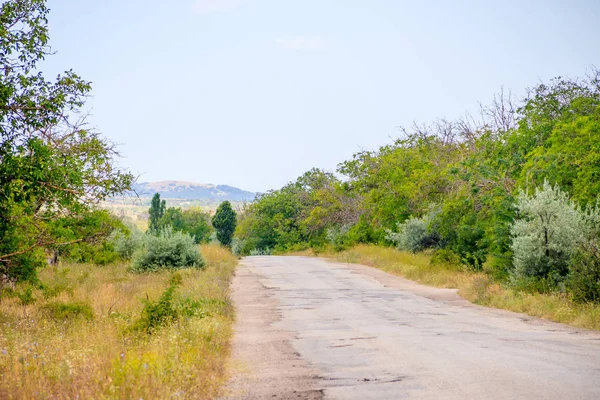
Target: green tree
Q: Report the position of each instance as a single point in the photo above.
(192, 221)
(570, 158)
(301, 214)
(155, 213)
(51, 167)
(225, 221)
(272, 221)
(406, 177)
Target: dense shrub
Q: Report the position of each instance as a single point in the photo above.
(584, 276)
(157, 313)
(237, 246)
(469, 244)
(261, 252)
(96, 253)
(337, 236)
(170, 250)
(167, 309)
(498, 266)
(415, 234)
(126, 244)
(445, 257)
(410, 236)
(549, 228)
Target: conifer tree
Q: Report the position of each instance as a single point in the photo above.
(225, 221)
(156, 211)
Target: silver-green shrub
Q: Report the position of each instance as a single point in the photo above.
(125, 245)
(584, 272)
(410, 236)
(167, 250)
(549, 229)
(237, 246)
(261, 252)
(416, 234)
(337, 236)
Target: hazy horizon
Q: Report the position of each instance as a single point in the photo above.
(252, 93)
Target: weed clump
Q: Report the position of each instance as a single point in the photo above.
(167, 310)
(158, 313)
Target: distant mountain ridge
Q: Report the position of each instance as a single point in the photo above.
(192, 191)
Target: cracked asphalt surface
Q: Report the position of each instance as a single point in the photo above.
(308, 329)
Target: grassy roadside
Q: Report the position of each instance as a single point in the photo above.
(475, 287)
(73, 339)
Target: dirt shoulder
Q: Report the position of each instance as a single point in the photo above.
(264, 363)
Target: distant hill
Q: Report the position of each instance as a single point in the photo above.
(192, 191)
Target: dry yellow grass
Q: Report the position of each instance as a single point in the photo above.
(475, 287)
(42, 357)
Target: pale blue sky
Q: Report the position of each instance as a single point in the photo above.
(252, 93)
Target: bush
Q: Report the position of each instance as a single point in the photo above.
(550, 227)
(584, 277)
(415, 234)
(168, 250)
(59, 282)
(362, 232)
(126, 244)
(166, 310)
(99, 254)
(261, 252)
(338, 237)
(498, 266)
(469, 244)
(410, 236)
(297, 247)
(445, 257)
(196, 308)
(237, 246)
(159, 313)
(66, 311)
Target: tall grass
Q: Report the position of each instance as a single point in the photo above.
(476, 287)
(94, 353)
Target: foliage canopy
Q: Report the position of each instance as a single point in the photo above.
(225, 221)
(53, 170)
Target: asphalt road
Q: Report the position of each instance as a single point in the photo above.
(310, 329)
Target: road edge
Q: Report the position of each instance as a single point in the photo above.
(264, 363)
